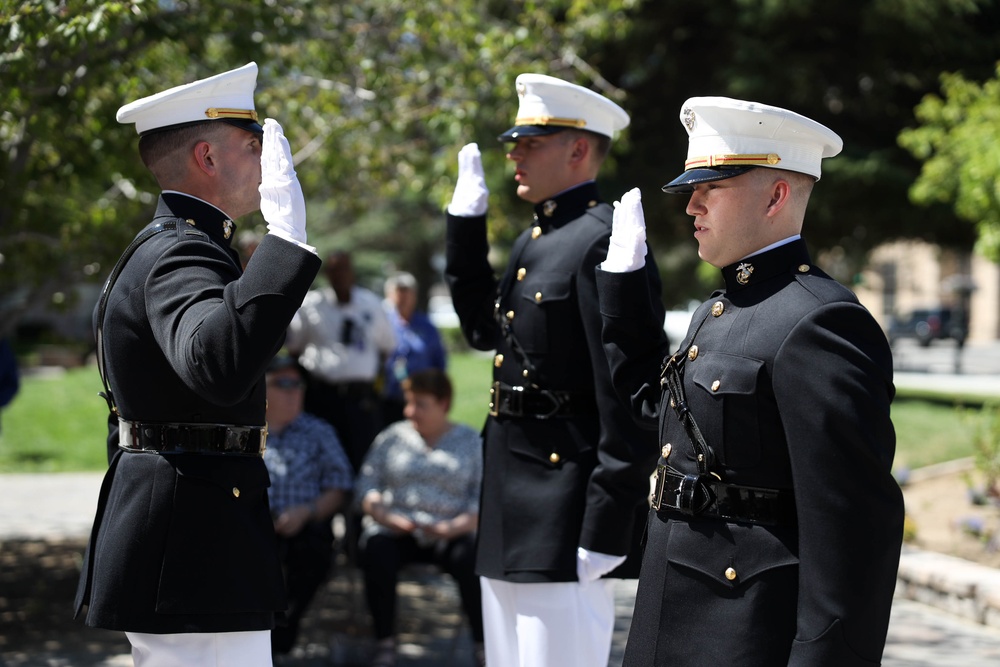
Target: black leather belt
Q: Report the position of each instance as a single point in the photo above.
(538, 403)
(191, 438)
(706, 496)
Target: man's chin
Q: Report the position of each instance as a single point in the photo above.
(524, 192)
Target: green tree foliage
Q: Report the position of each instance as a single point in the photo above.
(377, 96)
(859, 67)
(956, 139)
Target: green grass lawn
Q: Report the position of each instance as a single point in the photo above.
(57, 422)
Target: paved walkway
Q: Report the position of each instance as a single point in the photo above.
(40, 506)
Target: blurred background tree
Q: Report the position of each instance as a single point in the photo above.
(377, 96)
(957, 142)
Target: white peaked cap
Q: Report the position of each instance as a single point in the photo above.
(728, 137)
(547, 105)
(227, 97)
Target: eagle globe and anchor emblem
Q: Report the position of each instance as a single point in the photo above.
(743, 272)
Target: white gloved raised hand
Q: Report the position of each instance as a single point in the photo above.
(591, 565)
(471, 193)
(627, 248)
(281, 200)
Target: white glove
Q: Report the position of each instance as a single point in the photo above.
(591, 565)
(281, 201)
(471, 193)
(627, 248)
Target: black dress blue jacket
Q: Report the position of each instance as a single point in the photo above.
(185, 542)
(551, 485)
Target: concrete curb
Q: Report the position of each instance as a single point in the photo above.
(949, 583)
(955, 585)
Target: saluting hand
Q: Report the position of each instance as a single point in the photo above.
(627, 247)
(281, 200)
(471, 194)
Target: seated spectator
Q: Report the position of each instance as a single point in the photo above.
(310, 480)
(419, 491)
(418, 343)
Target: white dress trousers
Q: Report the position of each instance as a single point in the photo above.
(548, 625)
(201, 649)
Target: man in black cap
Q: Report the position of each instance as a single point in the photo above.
(182, 556)
(776, 524)
(565, 466)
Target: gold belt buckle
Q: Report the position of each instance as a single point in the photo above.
(657, 499)
(495, 399)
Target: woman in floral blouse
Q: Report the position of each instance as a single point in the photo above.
(419, 491)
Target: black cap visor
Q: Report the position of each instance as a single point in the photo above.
(245, 124)
(686, 182)
(518, 131)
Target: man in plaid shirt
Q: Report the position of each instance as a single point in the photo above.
(310, 479)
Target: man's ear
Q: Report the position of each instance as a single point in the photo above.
(581, 150)
(203, 157)
(781, 194)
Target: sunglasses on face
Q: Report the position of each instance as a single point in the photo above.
(286, 383)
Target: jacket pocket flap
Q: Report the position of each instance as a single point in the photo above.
(721, 373)
(547, 286)
(224, 471)
(729, 554)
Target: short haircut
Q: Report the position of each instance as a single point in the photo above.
(431, 381)
(159, 150)
(600, 144)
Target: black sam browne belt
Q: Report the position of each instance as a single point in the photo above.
(511, 401)
(191, 438)
(706, 496)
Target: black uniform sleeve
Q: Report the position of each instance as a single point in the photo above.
(627, 450)
(219, 329)
(833, 386)
(633, 337)
(471, 280)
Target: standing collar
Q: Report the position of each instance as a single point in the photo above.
(568, 205)
(791, 257)
(199, 214)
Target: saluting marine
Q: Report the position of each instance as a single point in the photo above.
(776, 525)
(182, 556)
(565, 466)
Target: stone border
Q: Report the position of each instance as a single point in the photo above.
(949, 583)
(952, 584)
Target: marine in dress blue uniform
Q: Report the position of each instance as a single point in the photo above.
(776, 525)
(565, 466)
(183, 542)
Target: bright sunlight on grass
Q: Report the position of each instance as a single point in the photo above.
(57, 421)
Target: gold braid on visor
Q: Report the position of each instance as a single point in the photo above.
(732, 160)
(249, 114)
(550, 120)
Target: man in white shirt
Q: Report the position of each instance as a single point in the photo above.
(341, 335)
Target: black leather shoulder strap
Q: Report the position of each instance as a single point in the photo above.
(102, 306)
